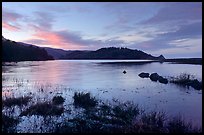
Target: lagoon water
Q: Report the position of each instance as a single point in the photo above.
(106, 81)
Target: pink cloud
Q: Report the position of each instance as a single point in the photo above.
(65, 39)
(9, 27)
(44, 37)
(50, 37)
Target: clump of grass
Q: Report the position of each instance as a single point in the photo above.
(58, 100)
(187, 80)
(105, 109)
(85, 125)
(43, 109)
(84, 100)
(101, 119)
(157, 122)
(177, 125)
(182, 79)
(126, 112)
(152, 122)
(8, 124)
(16, 101)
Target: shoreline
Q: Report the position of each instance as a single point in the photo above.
(194, 61)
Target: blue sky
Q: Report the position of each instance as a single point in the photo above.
(171, 29)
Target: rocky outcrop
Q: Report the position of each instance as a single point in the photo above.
(154, 77)
(144, 75)
(161, 58)
(162, 80)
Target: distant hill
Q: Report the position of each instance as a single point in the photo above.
(13, 51)
(111, 53)
(55, 53)
(18, 51)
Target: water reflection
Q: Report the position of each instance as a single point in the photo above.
(107, 81)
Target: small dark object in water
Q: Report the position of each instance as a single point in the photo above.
(124, 72)
(144, 75)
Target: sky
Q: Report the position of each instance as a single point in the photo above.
(171, 29)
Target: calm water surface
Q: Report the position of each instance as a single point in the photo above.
(107, 82)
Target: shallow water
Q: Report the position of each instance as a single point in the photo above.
(107, 82)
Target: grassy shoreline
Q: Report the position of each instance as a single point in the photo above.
(96, 117)
(195, 61)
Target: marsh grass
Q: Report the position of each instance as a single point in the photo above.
(178, 125)
(84, 100)
(8, 124)
(182, 79)
(152, 122)
(43, 109)
(97, 117)
(16, 101)
(126, 112)
(187, 80)
(58, 100)
(123, 118)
